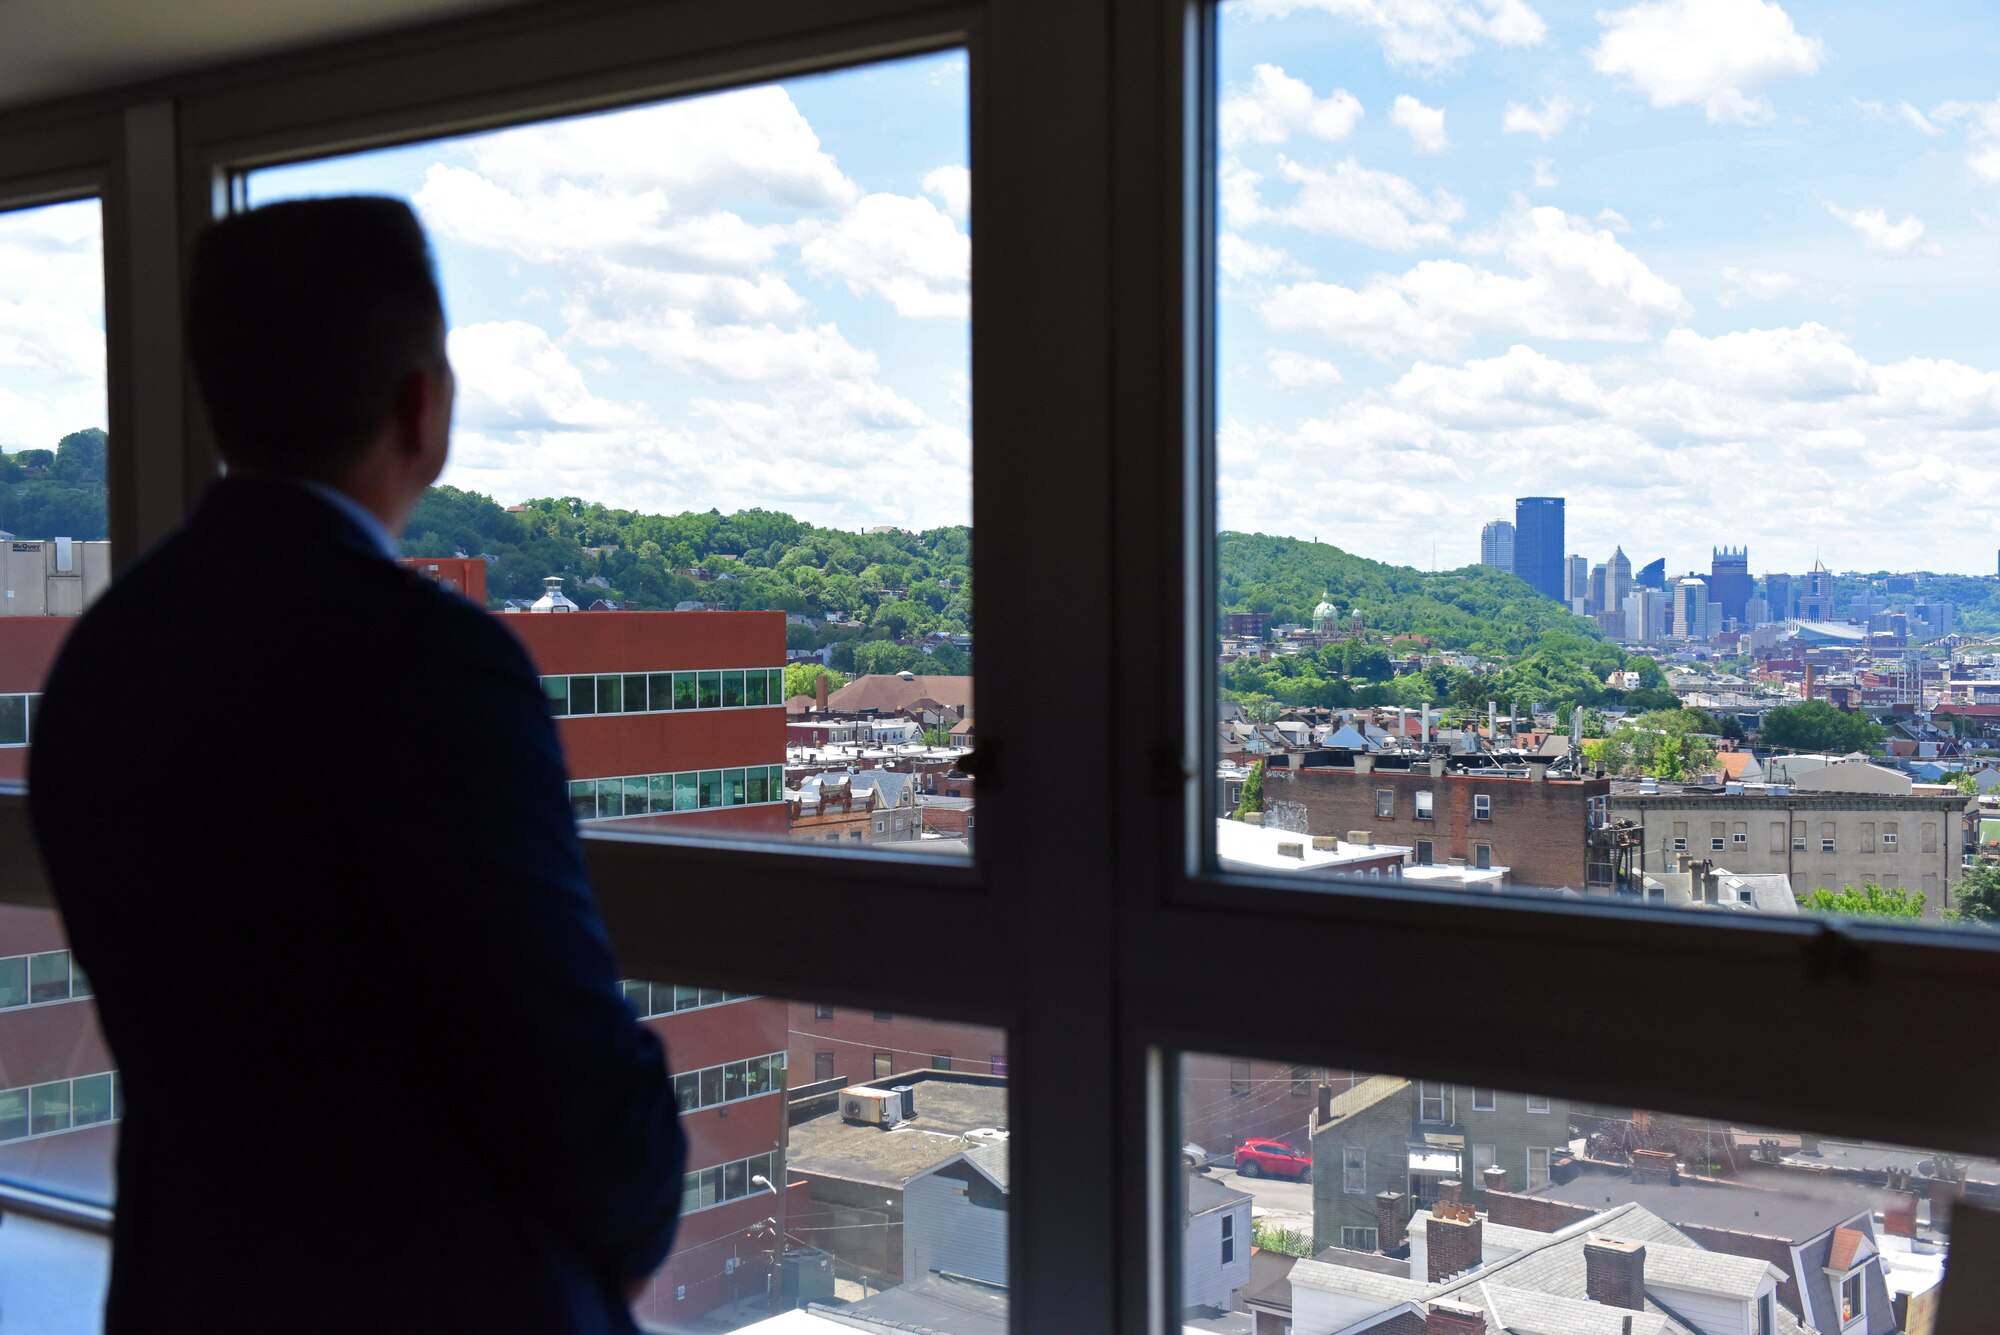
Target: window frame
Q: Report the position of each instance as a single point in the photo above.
(1091, 120)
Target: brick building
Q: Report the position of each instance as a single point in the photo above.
(1520, 813)
(855, 1046)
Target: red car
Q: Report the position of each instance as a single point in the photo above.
(1272, 1158)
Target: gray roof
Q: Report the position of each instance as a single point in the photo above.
(1525, 1312)
(992, 1161)
(1370, 1092)
(827, 1146)
(933, 1303)
(1205, 1194)
(1360, 1283)
(1775, 1203)
(1738, 1277)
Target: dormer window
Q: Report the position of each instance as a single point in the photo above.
(1767, 1314)
(1854, 1298)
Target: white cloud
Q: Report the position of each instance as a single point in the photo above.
(1665, 448)
(902, 249)
(1376, 208)
(1917, 119)
(952, 186)
(1428, 34)
(1982, 129)
(512, 375)
(1708, 53)
(1756, 284)
(1546, 122)
(1574, 282)
(1545, 174)
(1241, 258)
(51, 324)
(1424, 124)
(1276, 106)
(1613, 220)
(1295, 370)
(1877, 231)
(729, 352)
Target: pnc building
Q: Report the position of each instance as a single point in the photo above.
(1538, 543)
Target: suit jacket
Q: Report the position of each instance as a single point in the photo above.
(305, 816)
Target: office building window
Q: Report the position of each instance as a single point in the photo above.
(941, 1061)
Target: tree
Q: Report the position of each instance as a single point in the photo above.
(1815, 725)
(1870, 901)
(1978, 898)
(1664, 745)
(803, 679)
(1253, 793)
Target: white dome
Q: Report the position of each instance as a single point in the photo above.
(552, 599)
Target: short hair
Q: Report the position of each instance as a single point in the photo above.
(303, 318)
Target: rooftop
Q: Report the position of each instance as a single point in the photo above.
(1773, 1203)
(828, 1146)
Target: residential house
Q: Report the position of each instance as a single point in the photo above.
(1215, 1244)
(955, 1217)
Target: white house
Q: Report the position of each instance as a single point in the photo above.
(955, 1217)
(1215, 1245)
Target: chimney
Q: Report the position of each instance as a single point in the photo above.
(819, 692)
(1427, 723)
(1364, 764)
(1493, 724)
(1654, 1166)
(1391, 1226)
(1366, 838)
(1538, 771)
(1899, 1220)
(1452, 1240)
(1447, 1317)
(1325, 1103)
(1494, 1178)
(1614, 1273)
(1451, 1191)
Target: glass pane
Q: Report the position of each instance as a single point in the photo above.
(91, 1099)
(14, 981)
(48, 976)
(732, 788)
(637, 796)
(610, 797)
(13, 1114)
(1482, 315)
(648, 346)
(1579, 1206)
(687, 792)
(13, 720)
(659, 794)
(48, 1108)
(757, 785)
(711, 788)
(557, 690)
(583, 798)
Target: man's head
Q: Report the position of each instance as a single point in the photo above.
(317, 337)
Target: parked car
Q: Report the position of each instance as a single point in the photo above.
(1195, 1157)
(1258, 1157)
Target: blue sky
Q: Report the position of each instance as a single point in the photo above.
(753, 298)
(1719, 271)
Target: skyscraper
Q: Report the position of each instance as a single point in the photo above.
(1539, 543)
(1496, 545)
(1815, 594)
(1691, 610)
(1778, 593)
(1729, 581)
(1617, 580)
(1576, 581)
(1653, 575)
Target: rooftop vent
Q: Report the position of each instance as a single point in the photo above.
(552, 599)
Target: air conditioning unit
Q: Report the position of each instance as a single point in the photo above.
(871, 1107)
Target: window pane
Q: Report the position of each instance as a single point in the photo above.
(757, 785)
(610, 797)
(1594, 1206)
(687, 792)
(48, 1108)
(637, 800)
(711, 788)
(733, 793)
(14, 981)
(1470, 339)
(91, 1099)
(557, 690)
(48, 976)
(650, 348)
(659, 794)
(583, 798)
(13, 720)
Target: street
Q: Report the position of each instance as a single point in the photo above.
(1276, 1202)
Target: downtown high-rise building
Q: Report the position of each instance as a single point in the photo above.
(1778, 596)
(1539, 544)
(1576, 581)
(1653, 575)
(1692, 608)
(1617, 580)
(1729, 582)
(1496, 545)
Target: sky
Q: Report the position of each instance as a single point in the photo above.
(1717, 271)
(756, 298)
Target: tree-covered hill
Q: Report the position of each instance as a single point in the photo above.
(55, 493)
(1475, 608)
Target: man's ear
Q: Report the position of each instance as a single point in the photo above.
(416, 402)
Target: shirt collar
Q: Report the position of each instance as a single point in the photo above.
(364, 518)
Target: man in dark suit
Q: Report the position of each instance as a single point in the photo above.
(377, 1072)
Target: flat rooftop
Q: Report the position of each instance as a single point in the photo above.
(1776, 1204)
(828, 1146)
